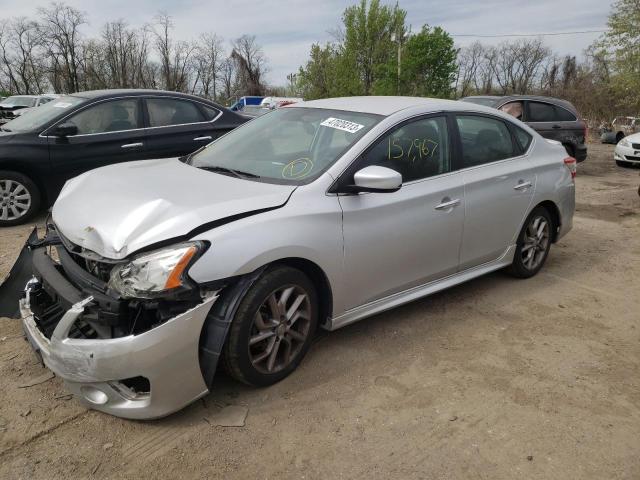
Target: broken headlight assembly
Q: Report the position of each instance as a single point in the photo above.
(156, 273)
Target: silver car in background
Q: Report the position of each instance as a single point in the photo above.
(315, 215)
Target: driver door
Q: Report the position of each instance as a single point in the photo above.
(395, 241)
(108, 132)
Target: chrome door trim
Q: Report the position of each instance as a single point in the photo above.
(126, 97)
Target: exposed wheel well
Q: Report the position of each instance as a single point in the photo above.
(320, 281)
(552, 208)
(619, 136)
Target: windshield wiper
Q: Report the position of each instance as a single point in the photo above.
(237, 173)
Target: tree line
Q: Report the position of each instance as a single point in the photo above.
(372, 52)
(50, 53)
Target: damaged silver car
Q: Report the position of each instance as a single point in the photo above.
(313, 216)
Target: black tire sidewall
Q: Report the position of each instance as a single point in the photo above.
(34, 191)
(236, 351)
(517, 266)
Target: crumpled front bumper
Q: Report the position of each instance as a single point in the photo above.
(166, 355)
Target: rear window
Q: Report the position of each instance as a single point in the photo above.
(484, 140)
(541, 112)
(564, 115)
(523, 138)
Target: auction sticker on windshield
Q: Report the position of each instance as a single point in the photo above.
(343, 125)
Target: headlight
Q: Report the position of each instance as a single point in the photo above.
(625, 143)
(151, 274)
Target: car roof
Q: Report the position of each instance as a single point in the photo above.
(129, 92)
(387, 105)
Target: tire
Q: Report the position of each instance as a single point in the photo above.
(619, 136)
(571, 151)
(19, 198)
(247, 362)
(620, 163)
(523, 266)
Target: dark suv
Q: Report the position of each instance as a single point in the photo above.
(550, 117)
(41, 150)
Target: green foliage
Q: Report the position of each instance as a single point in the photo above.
(621, 45)
(364, 59)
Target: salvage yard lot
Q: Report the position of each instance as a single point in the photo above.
(497, 378)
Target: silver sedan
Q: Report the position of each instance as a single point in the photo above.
(313, 216)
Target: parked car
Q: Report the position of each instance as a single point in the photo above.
(318, 214)
(243, 102)
(619, 128)
(14, 106)
(277, 102)
(42, 100)
(627, 152)
(66, 137)
(550, 117)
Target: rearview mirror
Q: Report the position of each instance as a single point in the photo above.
(376, 179)
(65, 130)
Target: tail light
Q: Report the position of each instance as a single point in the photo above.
(572, 165)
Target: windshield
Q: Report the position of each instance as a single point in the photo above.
(486, 101)
(41, 116)
(18, 102)
(289, 145)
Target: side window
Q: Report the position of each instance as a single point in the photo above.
(110, 116)
(210, 112)
(524, 139)
(484, 140)
(514, 109)
(564, 115)
(419, 149)
(541, 112)
(168, 111)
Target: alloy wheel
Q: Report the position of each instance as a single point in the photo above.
(280, 329)
(15, 200)
(536, 241)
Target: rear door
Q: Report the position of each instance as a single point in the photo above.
(498, 186)
(177, 126)
(109, 131)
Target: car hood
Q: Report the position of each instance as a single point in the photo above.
(634, 137)
(116, 210)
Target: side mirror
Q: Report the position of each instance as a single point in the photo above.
(65, 130)
(376, 179)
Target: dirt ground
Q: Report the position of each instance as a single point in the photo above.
(494, 379)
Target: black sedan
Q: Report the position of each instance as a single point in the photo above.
(42, 149)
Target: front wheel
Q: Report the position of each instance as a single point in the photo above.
(273, 327)
(533, 244)
(19, 198)
(620, 163)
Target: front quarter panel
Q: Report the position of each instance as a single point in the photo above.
(309, 226)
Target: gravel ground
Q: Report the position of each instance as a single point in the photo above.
(497, 378)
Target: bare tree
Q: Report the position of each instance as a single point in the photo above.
(175, 56)
(251, 65)
(209, 59)
(61, 35)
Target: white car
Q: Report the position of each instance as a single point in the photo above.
(627, 151)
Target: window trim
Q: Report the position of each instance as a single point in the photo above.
(197, 104)
(514, 140)
(337, 186)
(140, 99)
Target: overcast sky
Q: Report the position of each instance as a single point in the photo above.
(287, 28)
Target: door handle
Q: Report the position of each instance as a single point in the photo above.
(447, 204)
(201, 139)
(556, 127)
(522, 185)
(132, 145)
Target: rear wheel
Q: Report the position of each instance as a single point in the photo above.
(533, 244)
(273, 327)
(19, 198)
